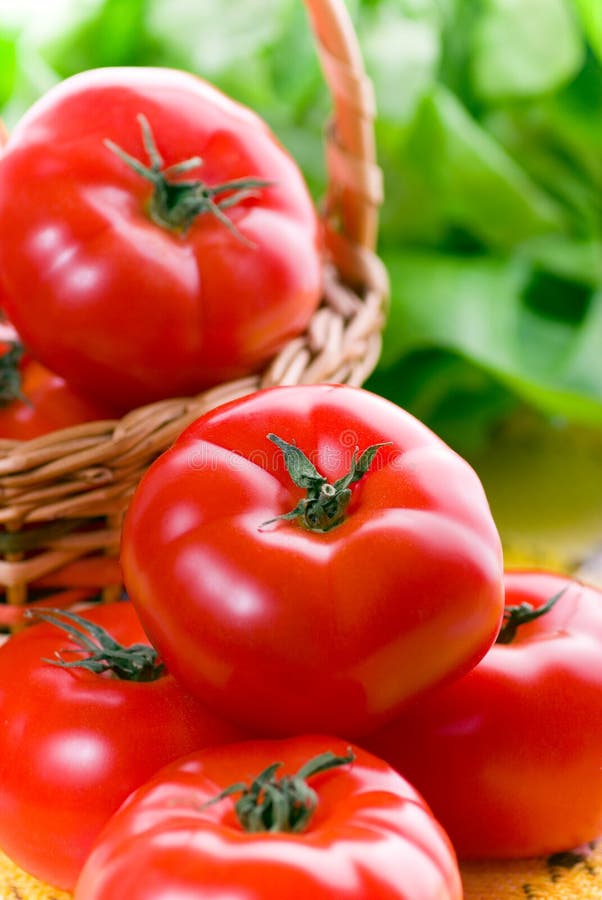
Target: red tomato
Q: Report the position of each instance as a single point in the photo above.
(509, 756)
(75, 743)
(45, 402)
(370, 836)
(288, 629)
(34, 400)
(128, 283)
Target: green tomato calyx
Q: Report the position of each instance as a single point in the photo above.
(325, 505)
(284, 804)
(175, 202)
(10, 374)
(515, 616)
(139, 662)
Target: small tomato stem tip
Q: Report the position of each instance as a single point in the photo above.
(515, 616)
(138, 662)
(284, 804)
(325, 505)
(176, 203)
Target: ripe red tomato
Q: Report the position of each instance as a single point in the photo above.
(136, 278)
(369, 837)
(509, 756)
(74, 743)
(287, 629)
(36, 401)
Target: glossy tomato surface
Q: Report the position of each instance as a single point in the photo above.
(370, 838)
(123, 307)
(74, 744)
(509, 757)
(285, 629)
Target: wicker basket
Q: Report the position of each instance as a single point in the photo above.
(63, 495)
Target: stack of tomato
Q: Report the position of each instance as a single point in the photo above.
(322, 683)
(317, 614)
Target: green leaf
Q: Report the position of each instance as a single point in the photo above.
(563, 165)
(33, 76)
(559, 144)
(445, 301)
(522, 49)
(110, 33)
(401, 56)
(573, 117)
(475, 307)
(213, 36)
(583, 363)
(576, 260)
(590, 13)
(8, 65)
(480, 186)
(412, 211)
(299, 85)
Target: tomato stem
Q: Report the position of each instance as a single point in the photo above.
(175, 204)
(515, 616)
(325, 504)
(10, 374)
(283, 804)
(139, 662)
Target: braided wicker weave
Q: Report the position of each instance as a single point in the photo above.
(63, 496)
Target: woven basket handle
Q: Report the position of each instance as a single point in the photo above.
(354, 180)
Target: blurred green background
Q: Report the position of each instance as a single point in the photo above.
(490, 136)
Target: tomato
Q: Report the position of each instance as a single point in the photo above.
(74, 743)
(360, 831)
(509, 755)
(288, 627)
(155, 237)
(35, 401)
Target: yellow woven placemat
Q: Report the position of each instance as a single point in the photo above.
(575, 875)
(15, 884)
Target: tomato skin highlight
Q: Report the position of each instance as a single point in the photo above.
(74, 744)
(371, 837)
(508, 756)
(121, 307)
(288, 631)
